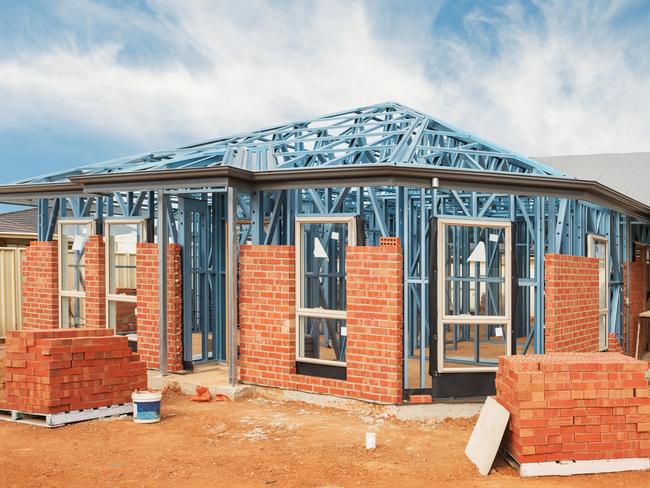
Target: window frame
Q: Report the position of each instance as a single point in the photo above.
(591, 239)
(113, 297)
(351, 222)
(480, 320)
(90, 223)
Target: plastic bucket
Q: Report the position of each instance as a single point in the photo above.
(146, 406)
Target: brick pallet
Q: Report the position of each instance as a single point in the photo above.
(66, 370)
(574, 407)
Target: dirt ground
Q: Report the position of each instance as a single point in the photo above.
(258, 442)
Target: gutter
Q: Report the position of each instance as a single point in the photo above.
(336, 177)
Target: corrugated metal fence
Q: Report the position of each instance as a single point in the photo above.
(10, 295)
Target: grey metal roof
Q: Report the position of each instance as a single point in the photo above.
(627, 173)
(19, 221)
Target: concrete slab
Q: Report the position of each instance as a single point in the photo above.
(434, 411)
(405, 413)
(215, 379)
(486, 438)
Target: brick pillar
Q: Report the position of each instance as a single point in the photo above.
(267, 336)
(40, 288)
(375, 328)
(148, 307)
(570, 303)
(267, 299)
(635, 296)
(95, 262)
(613, 344)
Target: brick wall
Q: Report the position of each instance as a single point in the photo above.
(374, 323)
(50, 371)
(40, 288)
(573, 406)
(570, 303)
(148, 306)
(613, 344)
(95, 275)
(636, 296)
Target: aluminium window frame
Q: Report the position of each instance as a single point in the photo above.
(445, 319)
(70, 293)
(112, 297)
(591, 239)
(351, 222)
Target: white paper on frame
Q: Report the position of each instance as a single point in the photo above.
(127, 247)
(499, 331)
(319, 250)
(344, 331)
(335, 236)
(78, 243)
(494, 237)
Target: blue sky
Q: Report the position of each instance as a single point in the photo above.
(89, 80)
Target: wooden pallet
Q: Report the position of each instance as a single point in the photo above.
(571, 468)
(51, 420)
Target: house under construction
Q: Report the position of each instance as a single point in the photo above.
(374, 253)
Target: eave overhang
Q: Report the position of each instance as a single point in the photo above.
(330, 177)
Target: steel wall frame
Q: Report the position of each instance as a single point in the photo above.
(545, 225)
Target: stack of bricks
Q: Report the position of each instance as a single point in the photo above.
(40, 288)
(149, 306)
(53, 371)
(374, 323)
(574, 406)
(570, 303)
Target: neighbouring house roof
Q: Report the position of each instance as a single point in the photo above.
(627, 173)
(19, 222)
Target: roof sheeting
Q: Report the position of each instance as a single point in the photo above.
(627, 173)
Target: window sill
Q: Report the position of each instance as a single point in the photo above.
(321, 370)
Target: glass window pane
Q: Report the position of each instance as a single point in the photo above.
(321, 338)
(602, 336)
(122, 244)
(474, 271)
(73, 312)
(474, 345)
(73, 245)
(323, 267)
(599, 251)
(122, 317)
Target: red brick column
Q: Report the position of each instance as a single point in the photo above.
(574, 406)
(148, 306)
(635, 296)
(570, 303)
(374, 323)
(375, 326)
(613, 344)
(40, 287)
(95, 263)
(267, 317)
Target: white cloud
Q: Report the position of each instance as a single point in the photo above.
(562, 84)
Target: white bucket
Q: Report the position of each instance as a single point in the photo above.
(146, 406)
(371, 440)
